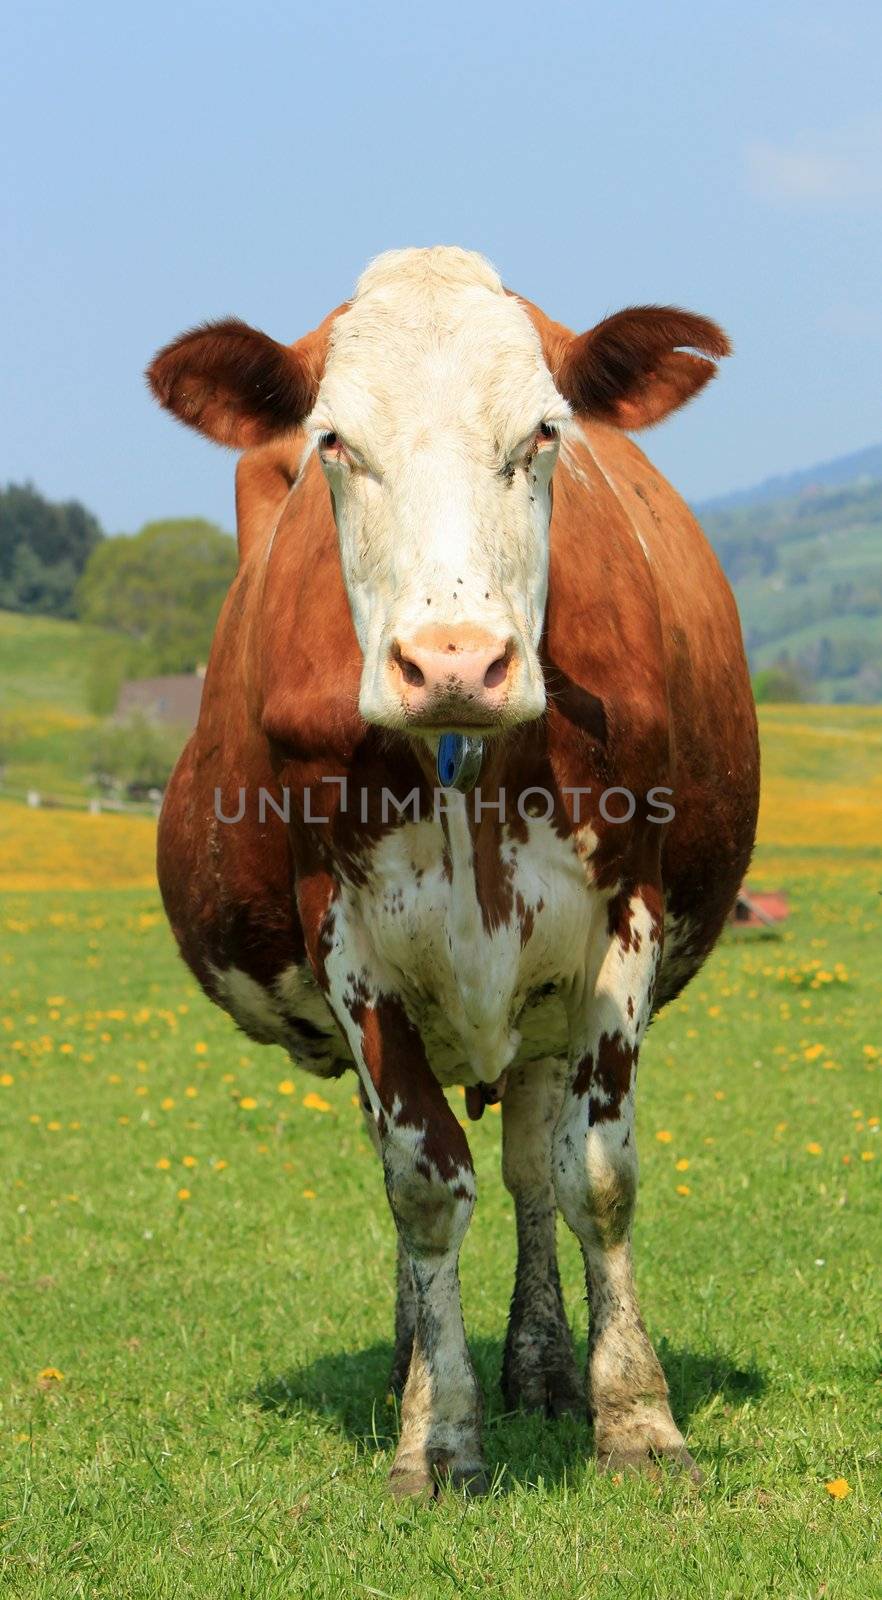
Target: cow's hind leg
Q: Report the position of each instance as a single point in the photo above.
(430, 1182)
(595, 1172)
(539, 1365)
(405, 1302)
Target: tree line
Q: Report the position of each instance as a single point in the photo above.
(151, 598)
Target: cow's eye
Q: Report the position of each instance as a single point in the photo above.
(547, 433)
(332, 449)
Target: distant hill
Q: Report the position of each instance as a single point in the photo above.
(804, 556)
(861, 466)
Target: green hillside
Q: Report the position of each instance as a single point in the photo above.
(43, 661)
(49, 739)
(807, 573)
(44, 719)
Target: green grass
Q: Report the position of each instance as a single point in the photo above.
(221, 1427)
(43, 662)
(45, 724)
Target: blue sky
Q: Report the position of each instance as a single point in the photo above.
(168, 163)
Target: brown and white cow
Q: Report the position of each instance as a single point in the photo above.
(445, 530)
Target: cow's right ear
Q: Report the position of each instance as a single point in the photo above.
(235, 384)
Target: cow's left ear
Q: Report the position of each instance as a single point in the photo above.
(236, 384)
(638, 366)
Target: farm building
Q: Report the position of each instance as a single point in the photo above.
(174, 698)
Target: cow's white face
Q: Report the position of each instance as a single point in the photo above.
(437, 422)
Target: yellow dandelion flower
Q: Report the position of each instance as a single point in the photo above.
(66, 1049)
(56, 1000)
(48, 1376)
(309, 1194)
(114, 1077)
(248, 1103)
(34, 1117)
(6, 1079)
(682, 1165)
(813, 1051)
(868, 1155)
(846, 1161)
(54, 1127)
(814, 1149)
(183, 1194)
(838, 1488)
(141, 1089)
(163, 1164)
(168, 1103)
(221, 1166)
(228, 1077)
(190, 1092)
(872, 1122)
(683, 1188)
(714, 1011)
(314, 1102)
(124, 1120)
(190, 1161)
(719, 1094)
(75, 1126)
(285, 1087)
(200, 1047)
(664, 1136)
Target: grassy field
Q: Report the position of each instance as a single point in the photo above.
(44, 717)
(196, 1261)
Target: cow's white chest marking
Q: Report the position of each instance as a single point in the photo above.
(471, 954)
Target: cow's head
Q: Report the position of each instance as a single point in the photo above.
(436, 402)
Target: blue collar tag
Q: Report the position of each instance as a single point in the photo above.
(459, 761)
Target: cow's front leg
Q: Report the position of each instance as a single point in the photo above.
(539, 1365)
(430, 1182)
(595, 1171)
(405, 1303)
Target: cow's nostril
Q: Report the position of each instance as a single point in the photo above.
(410, 672)
(497, 672)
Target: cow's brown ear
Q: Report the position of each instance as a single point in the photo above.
(638, 366)
(234, 383)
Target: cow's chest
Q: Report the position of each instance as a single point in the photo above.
(483, 953)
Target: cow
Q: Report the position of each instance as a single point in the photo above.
(473, 787)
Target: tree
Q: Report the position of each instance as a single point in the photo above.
(161, 590)
(44, 548)
(135, 752)
(781, 684)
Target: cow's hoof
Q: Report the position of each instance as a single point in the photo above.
(552, 1394)
(541, 1375)
(413, 1483)
(472, 1481)
(647, 1459)
(418, 1478)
